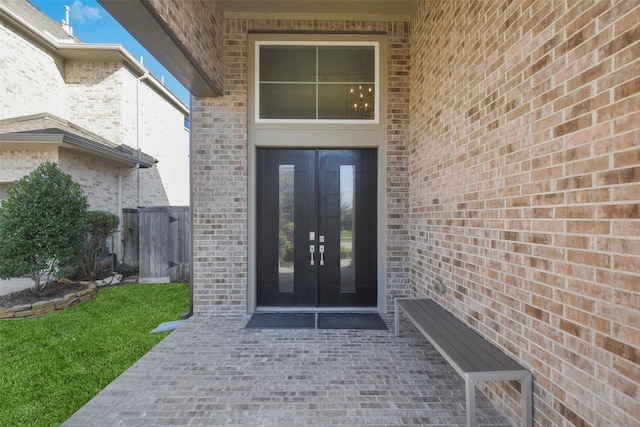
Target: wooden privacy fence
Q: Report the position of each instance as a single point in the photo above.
(157, 241)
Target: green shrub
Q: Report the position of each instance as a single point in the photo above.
(42, 224)
(345, 253)
(101, 225)
(286, 250)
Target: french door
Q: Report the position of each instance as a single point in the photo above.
(316, 225)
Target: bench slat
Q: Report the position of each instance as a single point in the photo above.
(473, 357)
(467, 350)
(495, 358)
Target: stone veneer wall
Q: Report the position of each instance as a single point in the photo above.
(219, 128)
(48, 306)
(524, 192)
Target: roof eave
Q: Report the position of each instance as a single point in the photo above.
(92, 51)
(152, 32)
(73, 143)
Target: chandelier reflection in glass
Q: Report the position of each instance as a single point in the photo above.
(360, 101)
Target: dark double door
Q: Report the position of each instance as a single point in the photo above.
(316, 228)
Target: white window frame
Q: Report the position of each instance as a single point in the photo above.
(376, 113)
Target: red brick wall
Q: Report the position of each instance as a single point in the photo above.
(524, 175)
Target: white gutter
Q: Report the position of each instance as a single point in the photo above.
(71, 141)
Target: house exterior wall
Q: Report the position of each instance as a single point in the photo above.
(32, 78)
(524, 178)
(95, 92)
(101, 96)
(163, 133)
(15, 164)
(220, 150)
(99, 180)
(109, 100)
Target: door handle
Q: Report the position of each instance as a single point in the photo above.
(312, 250)
(321, 248)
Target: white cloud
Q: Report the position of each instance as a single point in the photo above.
(82, 13)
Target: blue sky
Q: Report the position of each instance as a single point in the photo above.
(92, 24)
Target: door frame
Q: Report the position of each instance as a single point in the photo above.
(252, 288)
(312, 135)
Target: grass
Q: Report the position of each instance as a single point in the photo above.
(50, 366)
(346, 234)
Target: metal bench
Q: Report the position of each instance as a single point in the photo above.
(473, 357)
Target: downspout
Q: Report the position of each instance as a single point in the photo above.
(120, 216)
(191, 260)
(138, 83)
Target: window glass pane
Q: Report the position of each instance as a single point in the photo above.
(346, 101)
(346, 64)
(287, 101)
(311, 82)
(287, 228)
(347, 229)
(287, 63)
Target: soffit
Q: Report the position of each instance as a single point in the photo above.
(388, 10)
(139, 18)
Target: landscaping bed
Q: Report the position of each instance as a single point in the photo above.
(58, 296)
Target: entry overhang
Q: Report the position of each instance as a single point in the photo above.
(145, 25)
(142, 20)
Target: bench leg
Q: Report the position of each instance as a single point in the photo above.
(470, 393)
(526, 405)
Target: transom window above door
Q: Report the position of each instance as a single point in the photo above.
(334, 82)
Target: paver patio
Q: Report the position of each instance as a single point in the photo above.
(211, 371)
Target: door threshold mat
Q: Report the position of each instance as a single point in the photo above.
(371, 321)
(282, 321)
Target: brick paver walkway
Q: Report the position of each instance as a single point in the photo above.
(211, 371)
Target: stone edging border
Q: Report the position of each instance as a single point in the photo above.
(44, 307)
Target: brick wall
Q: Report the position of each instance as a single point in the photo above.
(32, 80)
(108, 99)
(95, 95)
(220, 166)
(198, 25)
(99, 180)
(164, 136)
(525, 188)
(100, 96)
(15, 164)
(397, 188)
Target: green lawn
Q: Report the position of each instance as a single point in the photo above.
(346, 234)
(52, 365)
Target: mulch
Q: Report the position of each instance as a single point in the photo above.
(51, 291)
(57, 289)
